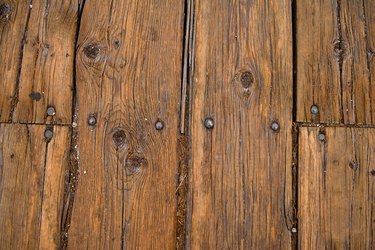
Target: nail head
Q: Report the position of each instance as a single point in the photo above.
(322, 137)
(314, 109)
(209, 123)
(159, 125)
(48, 134)
(51, 111)
(275, 126)
(91, 120)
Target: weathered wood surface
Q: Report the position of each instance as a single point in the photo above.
(335, 61)
(240, 179)
(336, 188)
(32, 174)
(129, 60)
(37, 40)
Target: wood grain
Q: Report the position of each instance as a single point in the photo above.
(128, 77)
(336, 188)
(37, 40)
(334, 53)
(31, 186)
(240, 179)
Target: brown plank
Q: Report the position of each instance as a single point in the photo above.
(37, 40)
(334, 52)
(31, 186)
(240, 180)
(336, 188)
(128, 77)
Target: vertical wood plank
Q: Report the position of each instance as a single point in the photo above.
(37, 45)
(336, 188)
(128, 78)
(240, 179)
(334, 42)
(31, 186)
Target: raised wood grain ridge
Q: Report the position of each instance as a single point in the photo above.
(37, 40)
(31, 186)
(335, 61)
(336, 188)
(129, 59)
(240, 180)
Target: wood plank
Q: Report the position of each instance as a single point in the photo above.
(37, 40)
(336, 188)
(31, 186)
(335, 69)
(128, 77)
(240, 179)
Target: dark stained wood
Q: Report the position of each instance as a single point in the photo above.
(240, 179)
(335, 44)
(128, 77)
(31, 186)
(37, 40)
(336, 188)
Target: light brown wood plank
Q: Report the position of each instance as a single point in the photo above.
(334, 52)
(128, 76)
(240, 180)
(336, 188)
(37, 40)
(31, 186)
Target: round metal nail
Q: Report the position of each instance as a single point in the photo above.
(209, 123)
(91, 120)
(314, 109)
(159, 125)
(48, 134)
(322, 137)
(275, 126)
(51, 111)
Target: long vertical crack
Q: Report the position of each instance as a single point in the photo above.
(183, 137)
(71, 177)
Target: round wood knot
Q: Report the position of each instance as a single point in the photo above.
(134, 164)
(372, 172)
(246, 79)
(5, 10)
(354, 165)
(119, 138)
(92, 51)
(339, 49)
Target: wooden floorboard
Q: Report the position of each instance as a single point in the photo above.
(336, 188)
(194, 124)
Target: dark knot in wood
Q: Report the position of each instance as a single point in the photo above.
(339, 48)
(92, 51)
(119, 138)
(5, 10)
(134, 164)
(246, 79)
(36, 96)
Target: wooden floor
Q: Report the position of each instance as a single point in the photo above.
(196, 124)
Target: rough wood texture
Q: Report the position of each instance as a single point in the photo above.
(335, 65)
(240, 179)
(31, 186)
(128, 76)
(336, 189)
(37, 40)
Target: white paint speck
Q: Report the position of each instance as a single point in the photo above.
(31, 6)
(84, 172)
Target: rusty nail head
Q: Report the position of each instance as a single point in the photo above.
(51, 111)
(48, 134)
(159, 125)
(209, 123)
(91, 120)
(314, 109)
(275, 126)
